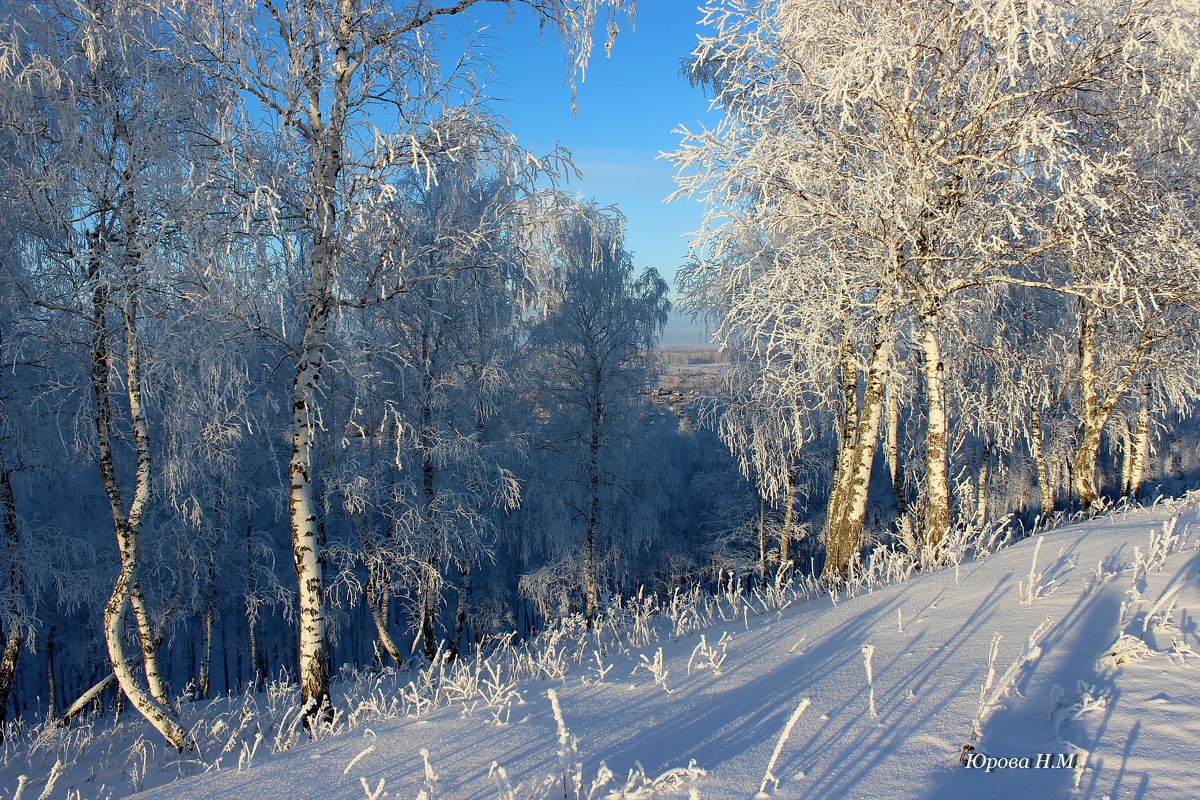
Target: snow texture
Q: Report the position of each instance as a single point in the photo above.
(1112, 677)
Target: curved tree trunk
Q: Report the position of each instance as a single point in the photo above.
(161, 717)
(378, 591)
(127, 522)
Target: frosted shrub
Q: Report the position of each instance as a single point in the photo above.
(570, 783)
(705, 656)
(1035, 585)
(993, 689)
(867, 652)
(656, 669)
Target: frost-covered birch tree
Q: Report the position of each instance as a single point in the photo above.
(93, 105)
(427, 463)
(351, 95)
(594, 361)
(911, 148)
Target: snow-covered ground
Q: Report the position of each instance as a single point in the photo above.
(1135, 724)
(1074, 646)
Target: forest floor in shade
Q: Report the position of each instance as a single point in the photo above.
(1135, 724)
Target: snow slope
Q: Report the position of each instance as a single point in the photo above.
(1137, 723)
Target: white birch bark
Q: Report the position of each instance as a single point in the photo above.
(848, 504)
(1045, 486)
(1140, 445)
(891, 447)
(936, 523)
(127, 522)
(1096, 407)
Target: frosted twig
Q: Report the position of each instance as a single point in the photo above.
(769, 775)
(867, 652)
(430, 792)
(375, 795)
(355, 760)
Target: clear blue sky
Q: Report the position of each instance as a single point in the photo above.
(628, 107)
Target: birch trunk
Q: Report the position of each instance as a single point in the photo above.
(327, 140)
(848, 427)
(90, 696)
(1096, 409)
(307, 530)
(591, 578)
(789, 509)
(760, 525)
(1126, 458)
(204, 681)
(14, 616)
(158, 715)
(848, 504)
(1140, 445)
(431, 579)
(251, 614)
(891, 448)
(127, 523)
(1083, 463)
(981, 488)
(460, 612)
(51, 683)
(378, 593)
(937, 490)
(1045, 486)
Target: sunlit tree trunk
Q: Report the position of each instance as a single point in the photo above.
(891, 448)
(937, 488)
(848, 503)
(308, 535)
(848, 422)
(1045, 485)
(1095, 408)
(1140, 445)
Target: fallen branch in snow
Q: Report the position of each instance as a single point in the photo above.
(1089, 700)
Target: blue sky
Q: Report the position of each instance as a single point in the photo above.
(628, 106)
